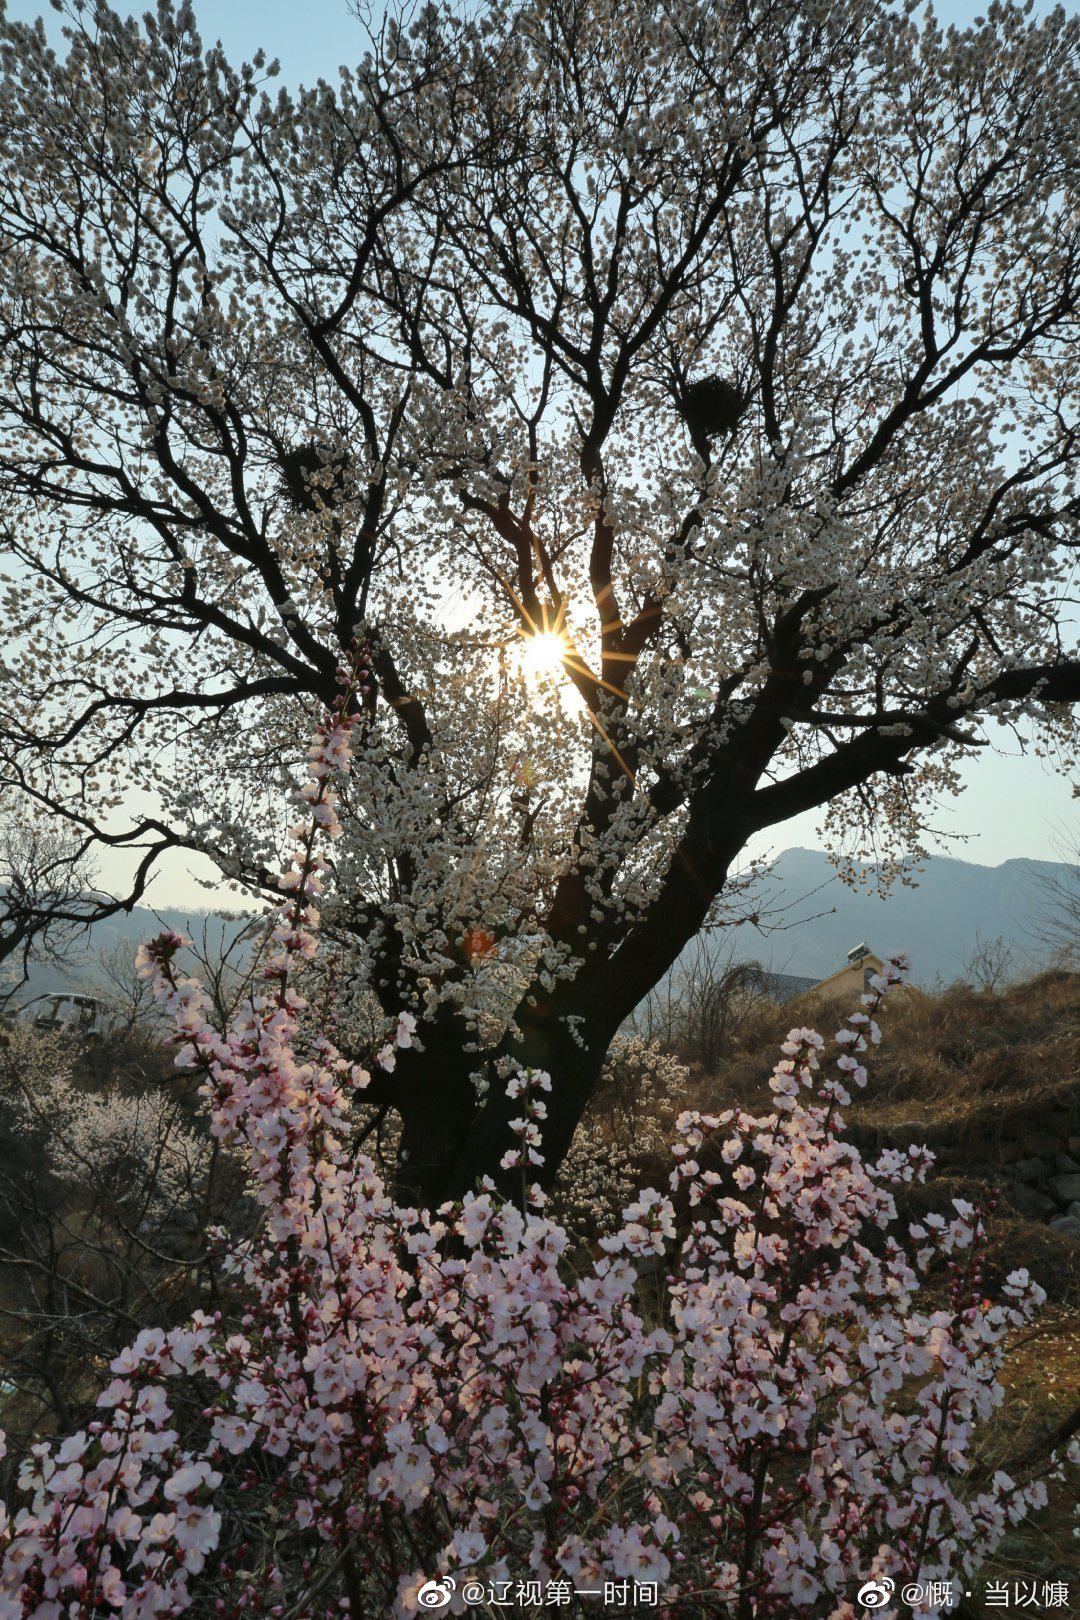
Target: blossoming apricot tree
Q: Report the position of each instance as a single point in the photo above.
(394, 1395)
(730, 344)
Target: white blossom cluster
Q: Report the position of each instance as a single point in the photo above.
(723, 355)
(629, 1124)
(134, 1145)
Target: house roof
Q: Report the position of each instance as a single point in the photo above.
(781, 987)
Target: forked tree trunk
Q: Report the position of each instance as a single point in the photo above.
(450, 1142)
(572, 1053)
(451, 1139)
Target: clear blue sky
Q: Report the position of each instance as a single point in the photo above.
(1013, 806)
(311, 37)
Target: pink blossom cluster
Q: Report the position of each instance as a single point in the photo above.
(403, 1394)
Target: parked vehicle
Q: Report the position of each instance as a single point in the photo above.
(65, 1014)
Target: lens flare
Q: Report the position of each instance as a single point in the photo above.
(543, 655)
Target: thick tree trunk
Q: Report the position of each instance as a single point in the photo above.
(450, 1140)
(437, 1101)
(571, 1049)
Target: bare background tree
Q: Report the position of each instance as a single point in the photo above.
(699, 1007)
(991, 964)
(46, 890)
(1059, 898)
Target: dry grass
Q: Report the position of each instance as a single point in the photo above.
(963, 1058)
(1042, 1388)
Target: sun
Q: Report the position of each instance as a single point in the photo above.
(543, 655)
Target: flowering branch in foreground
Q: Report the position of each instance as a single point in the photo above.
(410, 1393)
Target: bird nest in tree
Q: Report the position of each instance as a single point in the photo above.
(710, 406)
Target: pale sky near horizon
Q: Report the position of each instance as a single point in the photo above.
(1013, 806)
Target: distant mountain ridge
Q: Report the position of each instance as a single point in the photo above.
(937, 922)
(813, 919)
(133, 928)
